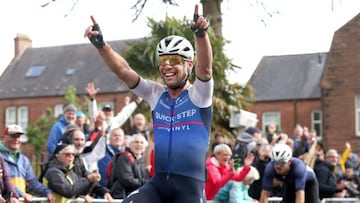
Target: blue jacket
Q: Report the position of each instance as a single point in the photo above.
(56, 133)
(104, 162)
(22, 174)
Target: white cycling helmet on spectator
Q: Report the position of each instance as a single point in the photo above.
(281, 153)
(175, 45)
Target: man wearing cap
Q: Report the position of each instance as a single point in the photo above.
(19, 167)
(245, 143)
(111, 121)
(57, 130)
(81, 121)
(254, 132)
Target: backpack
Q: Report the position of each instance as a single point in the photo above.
(244, 144)
(239, 153)
(109, 175)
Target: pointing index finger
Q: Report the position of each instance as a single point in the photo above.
(93, 20)
(196, 13)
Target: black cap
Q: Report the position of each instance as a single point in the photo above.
(107, 107)
(60, 147)
(252, 130)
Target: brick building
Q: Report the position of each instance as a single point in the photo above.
(36, 79)
(317, 90)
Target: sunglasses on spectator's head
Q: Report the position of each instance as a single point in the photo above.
(171, 60)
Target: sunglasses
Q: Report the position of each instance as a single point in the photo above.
(69, 154)
(171, 60)
(280, 162)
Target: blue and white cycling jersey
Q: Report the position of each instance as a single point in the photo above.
(181, 126)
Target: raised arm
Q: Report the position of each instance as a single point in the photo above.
(112, 59)
(92, 107)
(203, 69)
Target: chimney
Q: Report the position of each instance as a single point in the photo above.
(22, 42)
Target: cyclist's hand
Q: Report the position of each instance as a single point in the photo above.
(200, 24)
(94, 34)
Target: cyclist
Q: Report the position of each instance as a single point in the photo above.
(299, 181)
(181, 112)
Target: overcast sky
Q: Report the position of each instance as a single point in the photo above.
(295, 27)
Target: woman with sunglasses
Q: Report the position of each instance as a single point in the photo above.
(181, 112)
(62, 180)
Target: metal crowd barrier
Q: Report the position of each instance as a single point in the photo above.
(271, 200)
(274, 199)
(81, 200)
(36, 199)
(325, 200)
(347, 200)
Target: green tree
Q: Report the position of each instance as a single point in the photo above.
(142, 56)
(39, 131)
(71, 97)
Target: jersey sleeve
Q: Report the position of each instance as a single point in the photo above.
(201, 93)
(149, 90)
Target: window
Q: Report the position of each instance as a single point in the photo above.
(23, 120)
(10, 115)
(357, 114)
(58, 110)
(316, 122)
(19, 116)
(70, 71)
(34, 71)
(271, 118)
(23, 116)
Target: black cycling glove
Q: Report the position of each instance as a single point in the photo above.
(199, 32)
(97, 40)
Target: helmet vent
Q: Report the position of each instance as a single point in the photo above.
(177, 43)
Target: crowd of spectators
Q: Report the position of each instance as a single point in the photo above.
(80, 147)
(235, 169)
(337, 173)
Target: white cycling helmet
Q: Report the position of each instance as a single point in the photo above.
(173, 44)
(281, 153)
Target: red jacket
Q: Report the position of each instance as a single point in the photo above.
(219, 175)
